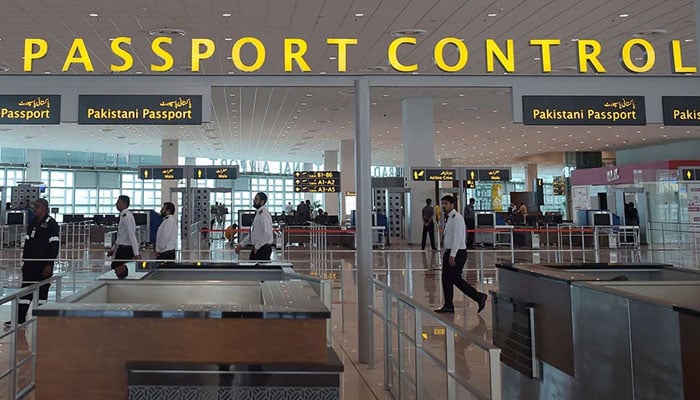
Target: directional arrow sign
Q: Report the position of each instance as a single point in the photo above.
(418, 174)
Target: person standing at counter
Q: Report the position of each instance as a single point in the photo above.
(126, 246)
(470, 219)
(166, 238)
(260, 235)
(40, 249)
(454, 258)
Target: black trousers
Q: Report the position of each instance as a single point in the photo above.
(471, 224)
(452, 276)
(31, 274)
(166, 255)
(428, 230)
(263, 253)
(123, 253)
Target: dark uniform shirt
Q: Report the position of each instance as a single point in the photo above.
(428, 213)
(42, 239)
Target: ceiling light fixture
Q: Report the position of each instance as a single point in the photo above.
(4, 68)
(226, 15)
(359, 15)
(167, 31)
(94, 15)
(409, 32)
(650, 32)
(624, 15)
(373, 68)
(492, 15)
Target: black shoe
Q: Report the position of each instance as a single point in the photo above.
(445, 310)
(434, 248)
(482, 302)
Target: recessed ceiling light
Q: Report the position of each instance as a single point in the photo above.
(385, 94)
(624, 15)
(303, 103)
(167, 31)
(409, 32)
(94, 15)
(4, 68)
(536, 58)
(226, 14)
(359, 15)
(574, 40)
(373, 68)
(650, 32)
(688, 40)
(492, 15)
(47, 72)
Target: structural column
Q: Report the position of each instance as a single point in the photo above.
(330, 163)
(530, 176)
(33, 172)
(418, 142)
(170, 151)
(363, 221)
(347, 173)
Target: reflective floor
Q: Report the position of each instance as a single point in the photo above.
(404, 268)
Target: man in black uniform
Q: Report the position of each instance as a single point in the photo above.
(40, 249)
(428, 224)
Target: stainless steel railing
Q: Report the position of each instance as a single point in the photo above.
(17, 390)
(403, 361)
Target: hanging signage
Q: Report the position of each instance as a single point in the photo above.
(218, 172)
(689, 174)
(494, 174)
(140, 110)
(559, 185)
(316, 182)
(30, 109)
(681, 110)
(584, 110)
(434, 174)
(161, 172)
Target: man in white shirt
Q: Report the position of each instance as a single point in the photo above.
(454, 258)
(166, 238)
(260, 232)
(127, 246)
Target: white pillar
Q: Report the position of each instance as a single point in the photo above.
(33, 172)
(418, 139)
(330, 163)
(530, 176)
(309, 196)
(347, 172)
(169, 153)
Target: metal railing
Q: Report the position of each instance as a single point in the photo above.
(15, 388)
(403, 361)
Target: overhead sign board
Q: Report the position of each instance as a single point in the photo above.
(161, 172)
(681, 110)
(30, 109)
(584, 110)
(217, 172)
(434, 174)
(558, 185)
(140, 109)
(494, 174)
(689, 174)
(317, 182)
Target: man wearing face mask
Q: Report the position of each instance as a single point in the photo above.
(260, 232)
(166, 238)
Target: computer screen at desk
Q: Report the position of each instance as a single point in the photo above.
(140, 219)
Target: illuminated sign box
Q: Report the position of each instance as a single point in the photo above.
(434, 174)
(689, 174)
(31, 109)
(681, 110)
(161, 172)
(584, 110)
(140, 110)
(218, 172)
(316, 181)
(495, 174)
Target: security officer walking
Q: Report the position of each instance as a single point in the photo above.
(40, 249)
(126, 246)
(260, 232)
(454, 259)
(428, 214)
